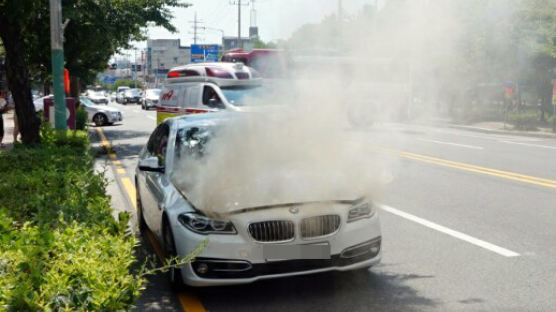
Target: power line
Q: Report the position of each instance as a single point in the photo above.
(196, 22)
(239, 4)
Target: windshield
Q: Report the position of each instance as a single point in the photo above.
(245, 96)
(133, 92)
(85, 101)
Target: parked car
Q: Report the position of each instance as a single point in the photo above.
(97, 97)
(246, 243)
(39, 102)
(100, 115)
(113, 97)
(132, 96)
(150, 98)
(120, 94)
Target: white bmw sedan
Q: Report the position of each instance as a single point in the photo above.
(246, 243)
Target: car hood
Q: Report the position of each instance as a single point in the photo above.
(283, 190)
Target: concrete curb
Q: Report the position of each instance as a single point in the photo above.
(505, 132)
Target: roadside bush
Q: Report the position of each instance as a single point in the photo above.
(81, 118)
(60, 247)
(524, 120)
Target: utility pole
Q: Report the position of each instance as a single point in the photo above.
(239, 4)
(196, 26)
(57, 53)
(134, 67)
(239, 43)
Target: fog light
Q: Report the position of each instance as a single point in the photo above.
(202, 268)
(372, 247)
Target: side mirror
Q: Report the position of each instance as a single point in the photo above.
(150, 164)
(215, 103)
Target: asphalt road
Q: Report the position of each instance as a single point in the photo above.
(469, 223)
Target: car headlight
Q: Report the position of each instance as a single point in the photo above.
(204, 225)
(361, 211)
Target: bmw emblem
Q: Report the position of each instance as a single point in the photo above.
(294, 210)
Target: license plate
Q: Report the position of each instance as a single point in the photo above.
(291, 252)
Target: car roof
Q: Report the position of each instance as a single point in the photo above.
(205, 119)
(200, 68)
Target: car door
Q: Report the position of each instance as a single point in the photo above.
(155, 182)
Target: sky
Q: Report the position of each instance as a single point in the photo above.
(276, 19)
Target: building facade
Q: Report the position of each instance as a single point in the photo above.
(163, 54)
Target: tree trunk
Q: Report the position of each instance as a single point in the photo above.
(19, 83)
(75, 87)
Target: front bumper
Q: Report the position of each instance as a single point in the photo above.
(237, 259)
(133, 100)
(150, 103)
(115, 117)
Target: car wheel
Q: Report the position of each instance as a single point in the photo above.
(140, 216)
(174, 274)
(100, 119)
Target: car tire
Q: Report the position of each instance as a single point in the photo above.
(141, 224)
(100, 119)
(174, 274)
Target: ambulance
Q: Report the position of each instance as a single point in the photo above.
(206, 87)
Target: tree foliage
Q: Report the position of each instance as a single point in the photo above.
(445, 51)
(96, 30)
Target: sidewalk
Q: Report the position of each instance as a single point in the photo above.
(495, 127)
(498, 128)
(8, 130)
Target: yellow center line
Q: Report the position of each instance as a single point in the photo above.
(130, 189)
(188, 301)
(483, 170)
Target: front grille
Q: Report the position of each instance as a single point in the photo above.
(272, 231)
(319, 226)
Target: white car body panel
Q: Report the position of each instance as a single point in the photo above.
(160, 198)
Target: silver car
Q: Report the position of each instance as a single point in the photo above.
(246, 242)
(100, 115)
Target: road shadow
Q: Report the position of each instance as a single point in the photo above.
(121, 134)
(363, 290)
(158, 294)
(127, 151)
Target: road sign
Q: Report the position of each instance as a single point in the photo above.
(204, 53)
(109, 80)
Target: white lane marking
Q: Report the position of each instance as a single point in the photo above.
(459, 235)
(136, 110)
(485, 137)
(529, 144)
(453, 144)
(151, 117)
